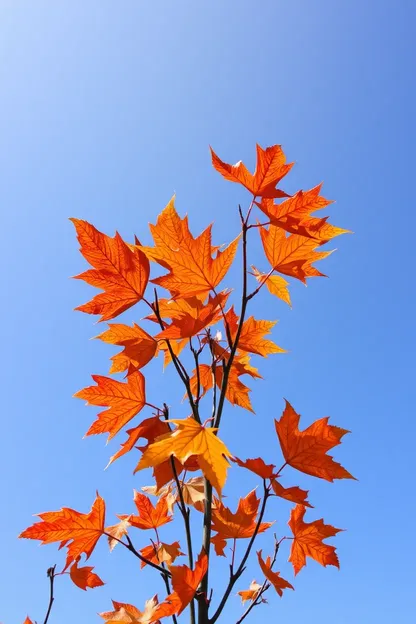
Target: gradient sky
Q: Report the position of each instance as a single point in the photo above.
(107, 109)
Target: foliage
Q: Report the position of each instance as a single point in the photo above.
(195, 320)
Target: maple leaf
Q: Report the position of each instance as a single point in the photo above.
(193, 270)
(121, 270)
(237, 393)
(161, 553)
(276, 285)
(238, 525)
(185, 582)
(308, 540)
(28, 620)
(149, 516)
(291, 255)
(275, 579)
(124, 401)
(200, 315)
(139, 346)
(258, 466)
(252, 334)
(294, 215)
(191, 438)
(117, 531)
(270, 169)
(84, 577)
(293, 494)
(306, 450)
(252, 593)
(149, 428)
(77, 531)
(129, 614)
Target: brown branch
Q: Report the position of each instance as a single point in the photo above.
(51, 576)
(234, 576)
(259, 598)
(136, 553)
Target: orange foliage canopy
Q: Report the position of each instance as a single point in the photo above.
(208, 338)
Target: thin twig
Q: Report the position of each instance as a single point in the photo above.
(136, 553)
(51, 576)
(234, 576)
(259, 598)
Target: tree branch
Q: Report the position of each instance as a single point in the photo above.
(51, 575)
(234, 576)
(136, 553)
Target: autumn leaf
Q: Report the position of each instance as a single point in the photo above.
(308, 540)
(275, 579)
(77, 531)
(28, 620)
(270, 169)
(251, 594)
(306, 450)
(192, 269)
(117, 531)
(191, 438)
(276, 284)
(252, 334)
(139, 346)
(197, 318)
(161, 553)
(185, 582)
(237, 393)
(124, 401)
(258, 466)
(129, 614)
(292, 494)
(149, 516)
(120, 270)
(294, 215)
(149, 429)
(291, 255)
(84, 577)
(238, 525)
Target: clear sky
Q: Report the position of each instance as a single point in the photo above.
(107, 108)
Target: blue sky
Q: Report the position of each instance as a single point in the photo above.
(106, 110)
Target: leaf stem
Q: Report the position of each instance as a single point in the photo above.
(136, 553)
(51, 575)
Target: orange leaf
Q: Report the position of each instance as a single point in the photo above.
(117, 531)
(200, 315)
(193, 270)
(258, 466)
(191, 438)
(185, 581)
(82, 531)
(237, 393)
(139, 346)
(150, 429)
(270, 169)
(275, 579)
(161, 553)
(149, 516)
(306, 450)
(276, 285)
(293, 494)
(129, 614)
(252, 334)
(292, 255)
(238, 525)
(124, 401)
(119, 269)
(250, 594)
(28, 620)
(308, 540)
(84, 577)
